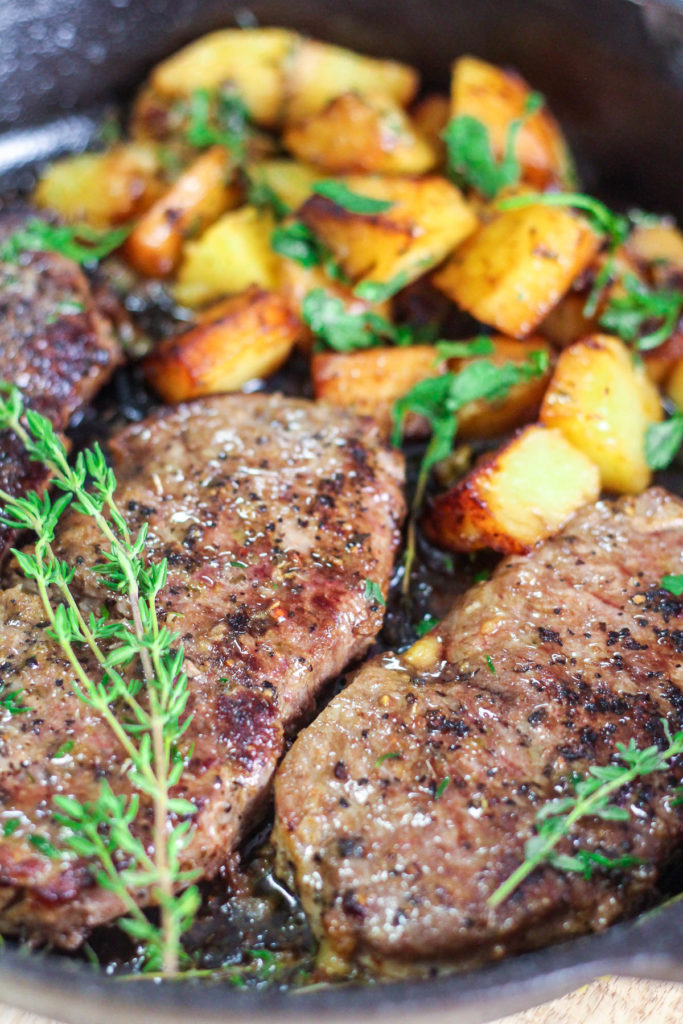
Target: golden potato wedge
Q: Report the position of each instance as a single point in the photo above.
(370, 381)
(519, 496)
(430, 115)
(231, 254)
(290, 180)
(246, 337)
(657, 248)
(603, 403)
(427, 219)
(483, 420)
(195, 200)
(361, 134)
(250, 60)
(319, 72)
(513, 271)
(102, 189)
(497, 97)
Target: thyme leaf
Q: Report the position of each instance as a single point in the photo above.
(593, 797)
(373, 593)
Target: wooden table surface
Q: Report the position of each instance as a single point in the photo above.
(607, 1001)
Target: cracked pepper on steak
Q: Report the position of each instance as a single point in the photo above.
(409, 800)
(272, 513)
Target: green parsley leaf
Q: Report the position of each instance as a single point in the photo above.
(674, 584)
(259, 193)
(481, 576)
(629, 315)
(663, 440)
(429, 622)
(65, 749)
(340, 194)
(380, 291)
(442, 787)
(219, 118)
(480, 346)
(470, 155)
(373, 593)
(341, 330)
(393, 755)
(10, 826)
(297, 242)
(78, 242)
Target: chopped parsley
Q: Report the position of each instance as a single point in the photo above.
(340, 194)
(479, 346)
(380, 291)
(663, 440)
(427, 623)
(259, 193)
(373, 593)
(491, 666)
(674, 584)
(471, 160)
(641, 315)
(79, 242)
(337, 328)
(297, 242)
(219, 118)
(442, 787)
(10, 826)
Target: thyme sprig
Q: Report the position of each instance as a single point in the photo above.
(146, 715)
(593, 798)
(11, 701)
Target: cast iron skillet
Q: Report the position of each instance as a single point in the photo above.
(613, 71)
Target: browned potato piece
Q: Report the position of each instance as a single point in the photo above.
(513, 271)
(318, 72)
(603, 405)
(497, 97)
(250, 60)
(102, 189)
(674, 385)
(524, 493)
(360, 133)
(290, 180)
(657, 247)
(232, 254)
(427, 219)
(430, 116)
(242, 338)
(199, 196)
(371, 381)
(480, 420)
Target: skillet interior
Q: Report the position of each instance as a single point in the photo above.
(614, 75)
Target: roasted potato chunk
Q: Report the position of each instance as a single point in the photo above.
(361, 134)
(497, 98)
(674, 385)
(319, 72)
(240, 339)
(250, 60)
(481, 420)
(199, 196)
(519, 496)
(513, 271)
(657, 248)
(290, 180)
(603, 404)
(102, 189)
(430, 115)
(427, 219)
(372, 380)
(232, 254)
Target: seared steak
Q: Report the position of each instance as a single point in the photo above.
(272, 514)
(54, 345)
(408, 801)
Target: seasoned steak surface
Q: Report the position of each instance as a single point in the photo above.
(272, 514)
(408, 801)
(54, 345)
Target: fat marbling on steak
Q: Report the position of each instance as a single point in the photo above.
(408, 801)
(54, 344)
(272, 514)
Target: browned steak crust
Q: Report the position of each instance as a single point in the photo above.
(54, 345)
(394, 863)
(272, 513)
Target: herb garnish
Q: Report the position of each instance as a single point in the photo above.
(147, 715)
(442, 787)
(593, 798)
(491, 667)
(439, 399)
(259, 193)
(380, 291)
(297, 242)
(78, 242)
(427, 623)
(344, 331)
(10, 701)
(674, 584)
(628, 315)
(393, 755)
(663, 440)
(479, 346)
(471, 160)
(340, 194)
(220, 118)
(373, 593)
